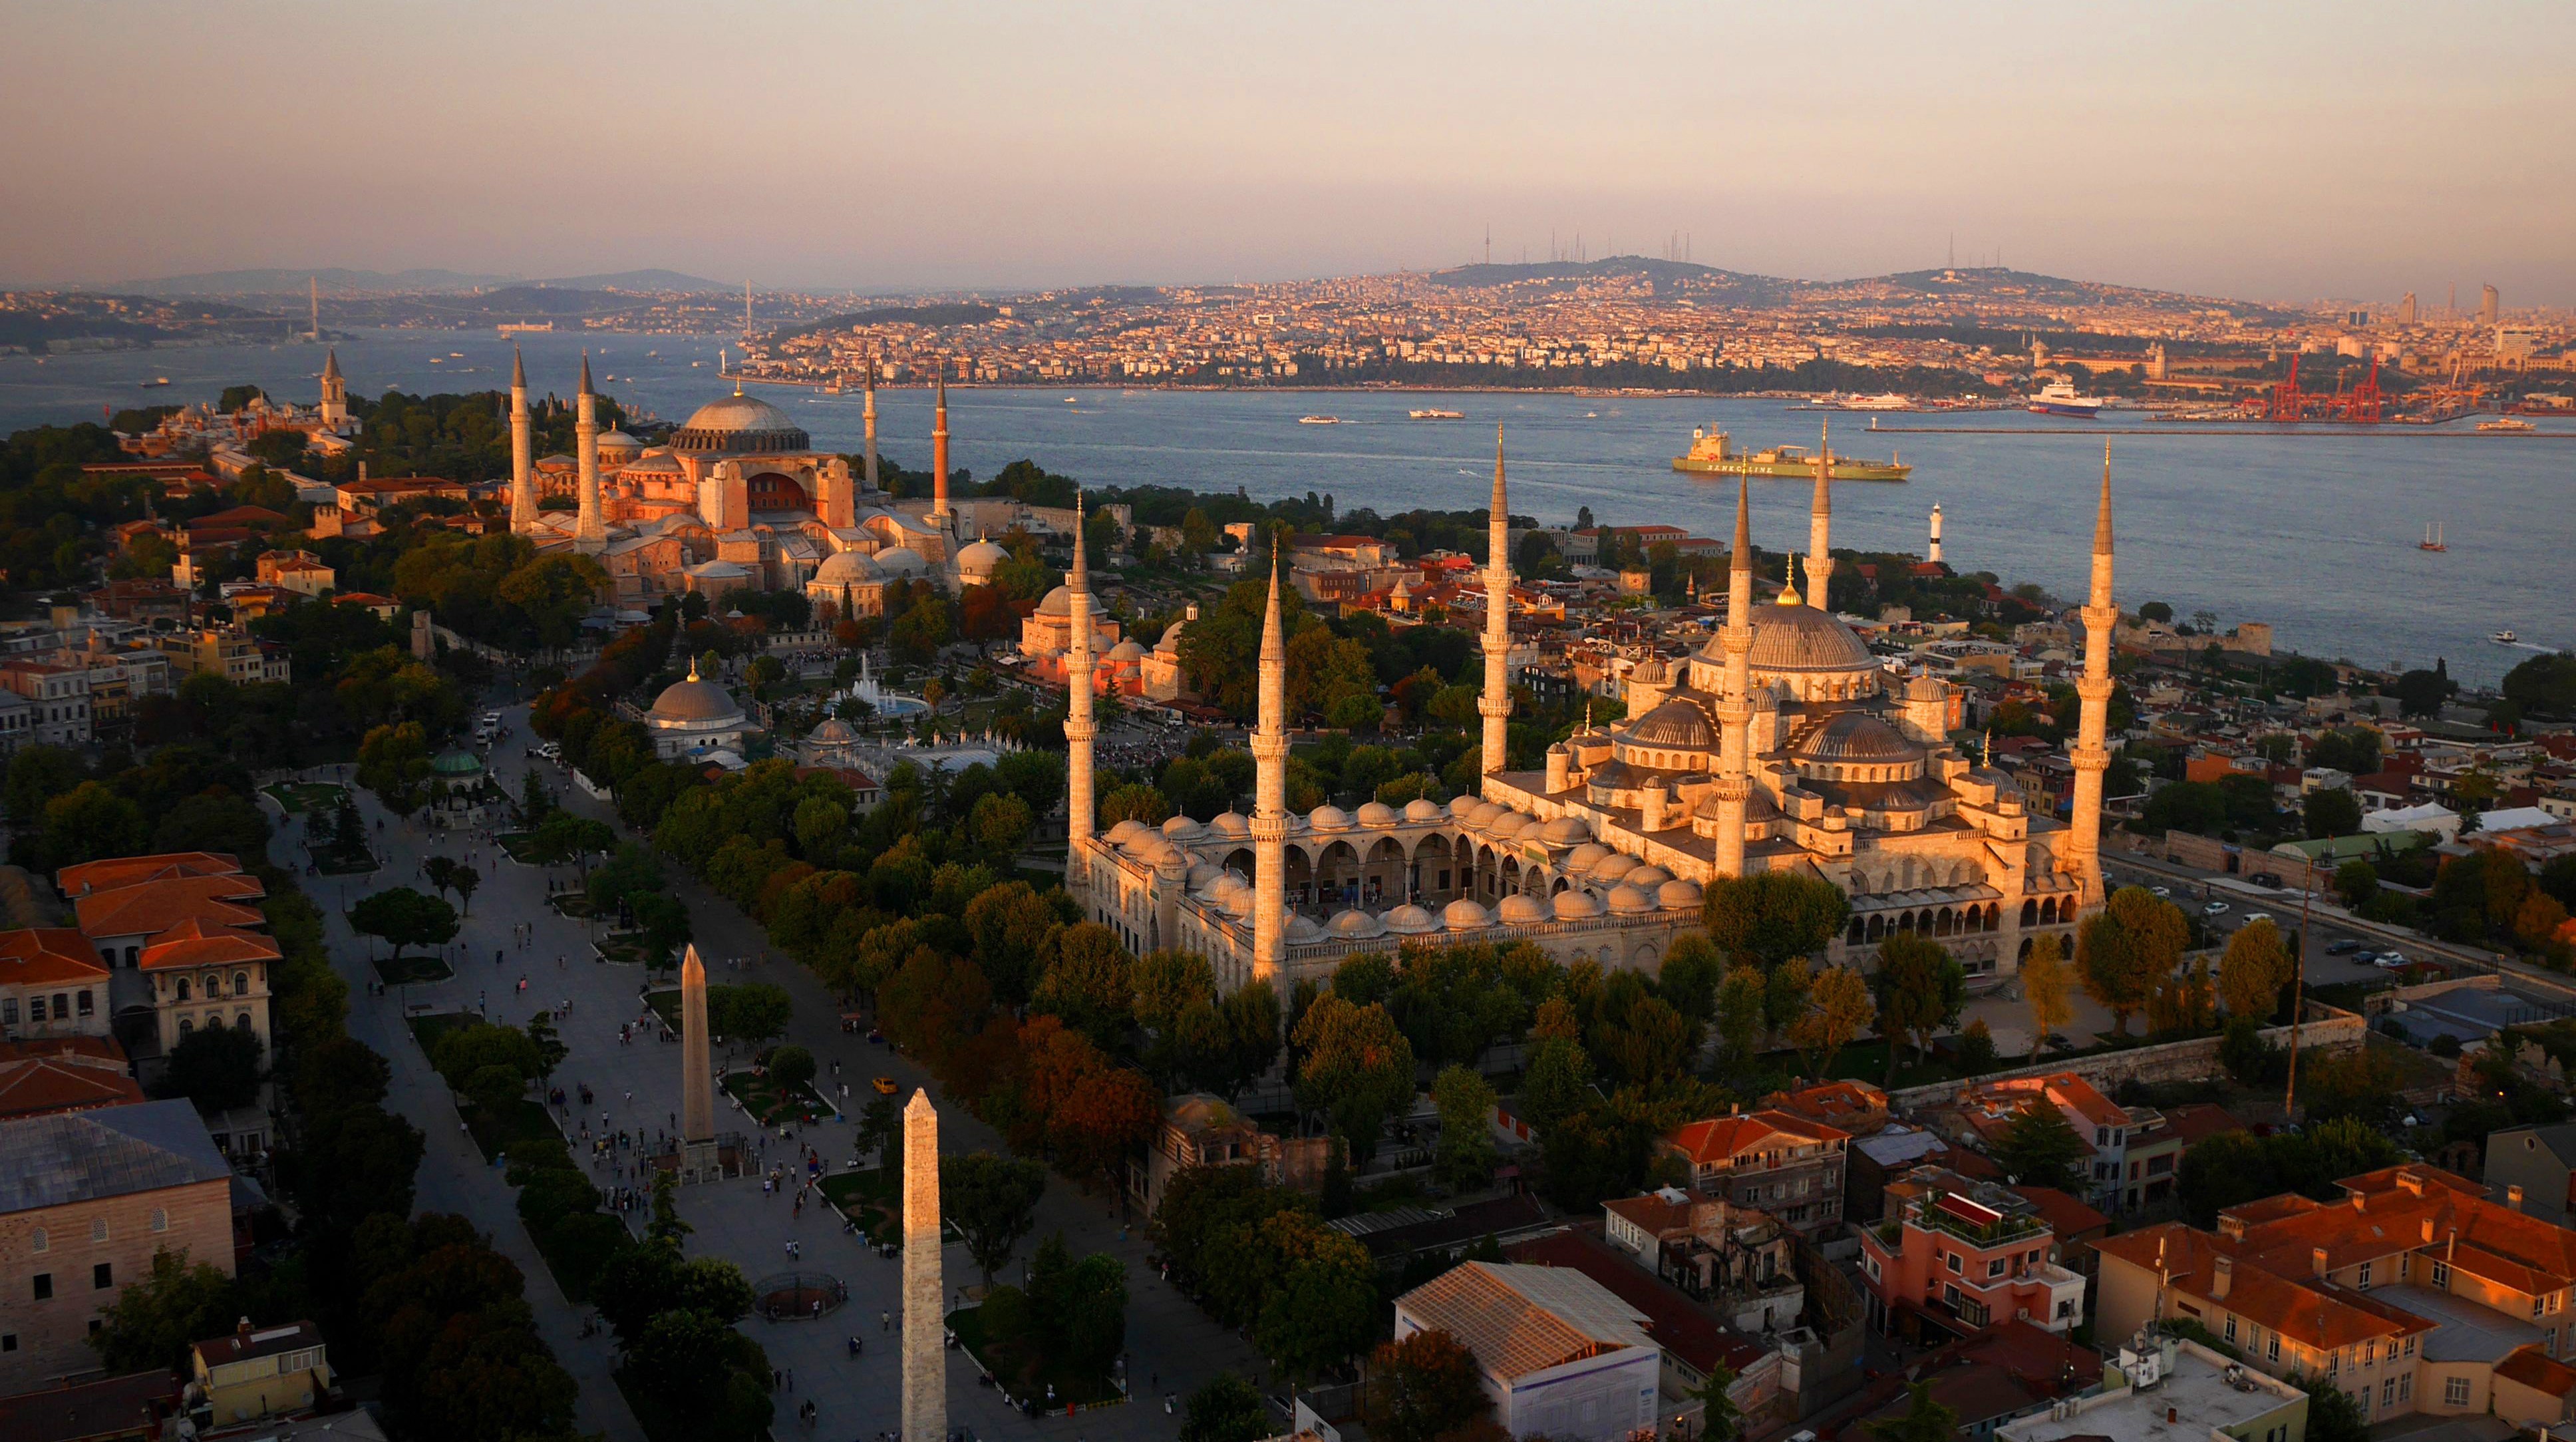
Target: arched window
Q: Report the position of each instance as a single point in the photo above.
(183, 989)
(186, 1025)
(160, 1220)
(214, 985)
(241, 983)
(2030, 913)
(38, 1241)
(242, 1022)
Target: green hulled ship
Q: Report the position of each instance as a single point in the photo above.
(1711, 455)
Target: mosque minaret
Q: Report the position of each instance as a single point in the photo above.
(523, 462)
(1735, 704)
(869, 421)
(1495, 705)
(1078, 727)
(2093, 713)
(590, 530)
(939, 512)
(1269, 828)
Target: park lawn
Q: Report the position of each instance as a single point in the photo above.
(868, 1197)
(666, 1005)
(768, 1106)
(628, 949)
(524, 1121)
(574, 904)
(298, 797)
(428, 1029)
(1030, 1377)
(338, 859)
(516, 843)
(411, 969)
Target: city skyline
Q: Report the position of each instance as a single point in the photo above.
(2271, 156)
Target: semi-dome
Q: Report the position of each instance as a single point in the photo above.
(693, 700)
(1329, 817)
(1626, 900)
(1522, 909)
(1377, 813)
(1678, 895)
(1356, 926)
(1857, 736)
(1800, 638)
(902, 561)
(977, 562)
(1231, 824)
(739, 424)
(1573, 905)
(1677, 724)
(1411, 920)
(1423, 808)
(1465, 915)
(848, 568)
(1564, 831)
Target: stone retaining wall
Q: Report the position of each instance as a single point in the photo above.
(2326, 1029)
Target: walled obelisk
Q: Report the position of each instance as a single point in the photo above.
(697, 1075)
(925, 1325)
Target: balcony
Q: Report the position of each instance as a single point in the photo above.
(1973, 1229)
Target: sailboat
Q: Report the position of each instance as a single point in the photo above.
(2432, 538)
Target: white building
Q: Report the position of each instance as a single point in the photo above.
(1557, 1352)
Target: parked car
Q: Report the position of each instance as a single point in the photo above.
(2345, 947)
(2390, 960)
(2162, 891)
(885, 1086)
(2252, 917)
(2215, 908)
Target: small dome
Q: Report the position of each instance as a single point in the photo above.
(1202, 874)
(1507, 825)
(833, 732)
(1576, 906)
(1377, 813)
(619, 443)
(1238, 902)
(455, 762)
(1182, 828)
(1626, 900)
(1647, 878)
(1410, 920)
(902, 561)
(1302, 927)
(1356, 926)
(978, 561)
(694, 700)
(1231, 824)
(1678, 724)
(1146, 845)
(1925, 687)
(1584, 857)
(1678, 896)
(1329, 817)
(1127, 653)
(1564, 831)
(1858, 736)
(1611, 867)
(1059, 602)
(1174, 863)
(1423, 808)
(1649, 671)
(1465, 915)
(1124, 832)
(1522, 909)
(848, 568)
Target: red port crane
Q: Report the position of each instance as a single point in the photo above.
(2363, 407)
(2286, 400)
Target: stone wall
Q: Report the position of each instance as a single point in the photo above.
(2326, 1029)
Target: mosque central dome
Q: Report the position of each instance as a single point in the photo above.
(1798, 638)
(739, 424)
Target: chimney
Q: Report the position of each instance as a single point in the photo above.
(2513, 1197)
(2428, 1231)
(2317, 1260)
(2222, 1276)
(2359, 1202)
(2172, 1415)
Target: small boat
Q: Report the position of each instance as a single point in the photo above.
(2504, 638)
(2507, 425)
(2058, 398)
(460, 355)
(2432, 539)
(1072, 400)
(1319, 420)
(155, 381)
(1428, 413)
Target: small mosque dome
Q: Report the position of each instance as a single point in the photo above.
(1465, 915)
(1329, 817)
(1124, 832)
(1127, 652)
(833, 732)
(1231, 824)
(1564, 831)
(1678, 895)
(693, 700)
(1059, 602)
(1238, 901)
(1182, 828)
(902, 561)
(1583, 857)
(1411, 920)
(1202, 874)
(1355, 925)
(1576, 906)
(1626, 900)
(848, 568)
(1302, 928)
(1647, 878)
(1423, 808)
(1377, 813)
(1677, 724)
(1611, 867)
(1522, 909)
(977, 562)
(1508, 825)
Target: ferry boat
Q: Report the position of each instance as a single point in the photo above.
(1429, 413)
(154, 382)
(2058, 398)
(1319, 420)
(2507, 425)
(2504, 638)
(1711, 455)
(1857, 402)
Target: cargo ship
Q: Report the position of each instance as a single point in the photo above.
(1711, 455)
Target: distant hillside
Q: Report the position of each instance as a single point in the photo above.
(1669, 279)
(665, 281)
(293, 282)
(937, 314)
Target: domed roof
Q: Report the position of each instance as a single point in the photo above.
(1800, 638)
(848, 568)
(1173, 863)
(455, 761)
(1356, 926)
(1564, 831)
(740, 423)
(1182, 828)
(1423, 808)
(1329, 817)
(1377, 813)
(1626, 900)
(1203, 874)
(1678, 896)
(1124, 832)
(1522, 909)
(1231, 824)
(620, 441)
(1582, 857)
(694, 700)
(1410, 920)
(1647, 878)
(978, 560)
(1465, 915)
(1676, 723)
(1858, 736)
(1650, 671)
(1059, 602)
(1301, 927)
(1610, 867)
(657, 464)
(1924, 686)
(1127, 651)
(833, 732)
(1238, 902)
(902, 561)
(1573, 905)
(1507, 825)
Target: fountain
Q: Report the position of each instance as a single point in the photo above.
(889, 705)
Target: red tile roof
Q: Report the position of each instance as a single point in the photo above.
(155, 906)
(2539, 1372)
(2066, 1215)
(37, 1078)
(194, 943)
(1717, 1139)
(1678, 1325)
(108, 875)
(48, 956)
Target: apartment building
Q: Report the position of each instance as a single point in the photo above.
(1954, 1256)
(51, 985)
(1780, 1162)
(58, 692)
(1738, 1260)
(2412, 1292)
(2136, 1152)
(230, 653)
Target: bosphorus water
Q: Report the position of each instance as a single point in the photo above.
(2314, 533)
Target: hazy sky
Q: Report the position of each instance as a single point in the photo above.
(2265, 150)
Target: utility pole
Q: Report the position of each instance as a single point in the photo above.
(2299, 993)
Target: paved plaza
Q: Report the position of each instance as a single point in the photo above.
(1173, 1345)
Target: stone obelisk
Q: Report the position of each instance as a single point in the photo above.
(925, 1360)
(697, 1075)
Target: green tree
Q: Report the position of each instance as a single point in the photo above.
(404, 917)
(217, 1067)
(1774, 915)
(154, 1318)
(790, 1067)
(2330, 811)
(1326, 1311)
(2254, 968)
(1357, 1068)
(393, 762)
(565, 836)
(1719, 1419)
(993, 1201)
(1924, 1419)
(1838, 1007)
(2123, 951)
(1465, 1160)
(1921, 989)
(2048, 987)
(2355, 883)
(91, 822)
(1424, 1386)
(1226, 1408)
(2039, 1149)
(750, 1011)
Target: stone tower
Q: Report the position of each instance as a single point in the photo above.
(1270, 795)
(590, 531)
(1735, 702)
(870, 421)
(697, 1072)
(523, 468)
(1935, 556)
(939, 456)
(2092, 756)
(1078, 727)
(1820, 527)
(925, 1352)
(1496, 704)
(335, 391)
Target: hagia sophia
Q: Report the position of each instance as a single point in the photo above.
(1783, 744)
